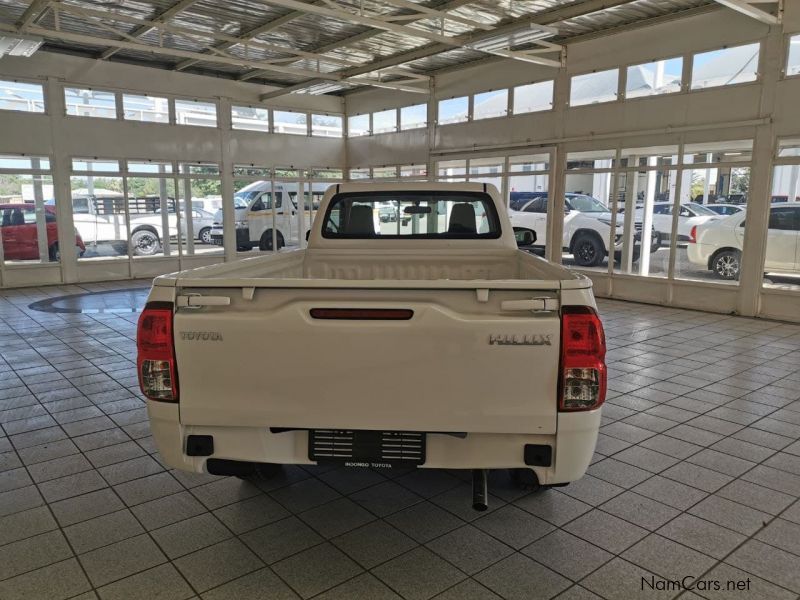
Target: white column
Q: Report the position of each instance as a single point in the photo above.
(647, 218)
(226, 166)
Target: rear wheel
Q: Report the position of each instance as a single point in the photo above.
(265, 243)
(526, 479)
(205, 235)
(726, 264)
(655, 241)
(145, 242)
(588, 251)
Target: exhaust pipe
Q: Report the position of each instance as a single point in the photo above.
(480, 491)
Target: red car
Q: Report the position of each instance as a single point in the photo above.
(18, 231)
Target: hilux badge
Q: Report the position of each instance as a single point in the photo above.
(533, 339)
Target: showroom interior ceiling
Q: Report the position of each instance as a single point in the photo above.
(326, 46)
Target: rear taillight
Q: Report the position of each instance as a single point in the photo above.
(158, 376)
(583, 367)
(693, 235)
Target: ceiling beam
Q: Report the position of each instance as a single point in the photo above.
(548, 17)
(162, 17)
(749, 9)
(35, 10)
(248, 36)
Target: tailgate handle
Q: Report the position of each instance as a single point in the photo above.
(535, 304)
(198, 300)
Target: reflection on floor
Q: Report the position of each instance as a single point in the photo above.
(697, 473)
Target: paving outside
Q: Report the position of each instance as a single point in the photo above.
(697, 473)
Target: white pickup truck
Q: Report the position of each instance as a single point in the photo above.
(440, 345)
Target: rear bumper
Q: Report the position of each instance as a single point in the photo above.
(573, 445)
(699, 254)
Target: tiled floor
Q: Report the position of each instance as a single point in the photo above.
(697, 473)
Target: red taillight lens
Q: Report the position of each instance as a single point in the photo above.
(693, 235)
(583, 367)
(158, 376)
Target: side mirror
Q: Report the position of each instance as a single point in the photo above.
(524, 237)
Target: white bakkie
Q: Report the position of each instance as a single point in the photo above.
(432, 344)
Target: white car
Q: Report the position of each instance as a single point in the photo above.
(587, 225)
(717, 245)
(725, 209)
(202, 222)
(504, 351)
(690, 214)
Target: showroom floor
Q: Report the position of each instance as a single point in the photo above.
(697, 474)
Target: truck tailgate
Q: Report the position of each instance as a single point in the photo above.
(456, 365)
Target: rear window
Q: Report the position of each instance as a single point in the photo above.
(420, 215)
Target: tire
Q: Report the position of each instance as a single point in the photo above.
(263, 472)
(726, 264)
(53, 253)
(526, 479)
(205, 235)
(655, 241)
(265, 243)
(145, 243)
(587, 250)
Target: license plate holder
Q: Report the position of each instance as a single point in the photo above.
(367, 448)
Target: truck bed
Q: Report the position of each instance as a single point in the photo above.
(498, 269)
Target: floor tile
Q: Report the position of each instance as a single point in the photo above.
(217, 564)
(568, 555)
(521, 578)
(121, 559)
(418, 575)
(316, 570)
(374, 543)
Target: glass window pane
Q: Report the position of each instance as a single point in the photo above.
(793, 64)
(594, 88)
(28, 230)
(384, 121)
(737, 151)
(383, 172)
(725, 67)
(293, 123)
(644, 227)
(24, 162)
(414, 171)
(453, 110)
(593, 159)
(788, 148)
(490, 104)
(252, 171)
(529, 162)
(201, 218)
(485, 166)
(450, 168)
(533, 97)
(327, 125)
(710, 231)
(152, 210)
(90, 103)
(150, 167)
(195, 112)
(360, 173)
(23, 97)
(98, 210)
(250, 118)
(95, 165)
(654, 78)
(199, 168)
(150, 109)
(358, 125)
(414, 117)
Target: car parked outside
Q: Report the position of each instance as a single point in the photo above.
(587, 225)
(690, 214)
(725, 209)
(717, 245)
(20, 235)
